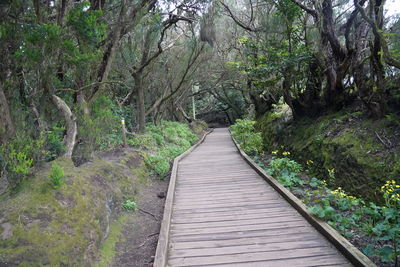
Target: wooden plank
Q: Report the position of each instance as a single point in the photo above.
(223, 209)
(239, 228)
(252, 256)
(222, 200)
(219, 188)
(328, 260)
(235, 213)
(253, 233)
(211, 193)
(203, 219)
(295, 237)
(236, 222)
(247, 248)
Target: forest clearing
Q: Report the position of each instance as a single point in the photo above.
(199, 132)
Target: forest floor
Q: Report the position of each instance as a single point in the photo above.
(138, 244)
(133, 235)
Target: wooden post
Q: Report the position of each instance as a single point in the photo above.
(123, 132)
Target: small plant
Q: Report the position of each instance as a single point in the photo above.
(315, 183)
(56, 175)
(129, 205)
(280, 164)
(324, 211)
(331, 175)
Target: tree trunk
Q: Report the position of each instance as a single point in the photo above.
(41, 123)
(7, 129)
(70, 120)
(83, 105)
(184, 114)
(108, 55)
(141, 112)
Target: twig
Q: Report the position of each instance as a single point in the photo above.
(153, 234)
(380, 139)
(147, 238)
(149, 213)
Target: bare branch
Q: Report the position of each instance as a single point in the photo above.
(237, 21)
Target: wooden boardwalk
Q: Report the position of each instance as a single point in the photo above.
(224, 214)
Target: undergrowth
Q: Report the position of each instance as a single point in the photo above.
(249, 140)
(353, 217)
(162, 143)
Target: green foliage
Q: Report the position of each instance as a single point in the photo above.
(129, 205)
(244, 133)
(18, 156)
(289, 179)
(171, 152)
(159, 164)
(54, 143)
(324, 212)
(56, 175)
(286, 171)
(85, 22)
(39, 43)
(281, 164)
(388, 228)
(380, 222)
(163, 143)
(101, 130)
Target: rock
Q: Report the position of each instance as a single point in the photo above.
(3, 184)
(7, 231)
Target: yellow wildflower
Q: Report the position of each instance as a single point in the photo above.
(275, 152)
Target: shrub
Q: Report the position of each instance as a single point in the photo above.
(160, 165)
(286, 171)
(143, 141)
(165, 141)
(280, 165)
(158, 138)
(171, 152)
(244, 133)
(175, 130)
(19, 156)
(56, 175)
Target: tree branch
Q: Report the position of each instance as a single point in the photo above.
(389, 59)
(237, 21)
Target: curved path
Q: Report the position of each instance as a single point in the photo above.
(225, 214)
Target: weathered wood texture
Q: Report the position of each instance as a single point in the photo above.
(225, 214)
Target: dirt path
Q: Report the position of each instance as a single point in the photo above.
(140, 232)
